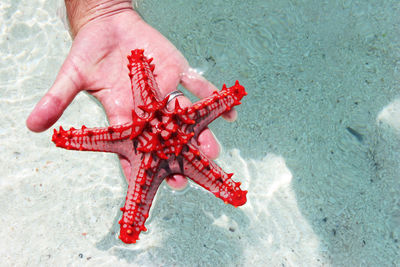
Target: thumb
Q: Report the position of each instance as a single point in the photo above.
(52, 105)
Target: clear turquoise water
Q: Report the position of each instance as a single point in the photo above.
(317, 141)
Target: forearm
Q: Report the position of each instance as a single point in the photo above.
(80, 12)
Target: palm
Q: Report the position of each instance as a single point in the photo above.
(99, 54)
(97, 63)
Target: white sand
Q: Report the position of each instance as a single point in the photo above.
(317, 143)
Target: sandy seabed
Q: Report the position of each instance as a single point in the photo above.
(316, 144)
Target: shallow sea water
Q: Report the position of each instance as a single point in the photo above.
(316, 143)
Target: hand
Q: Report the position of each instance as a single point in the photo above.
(97, 63)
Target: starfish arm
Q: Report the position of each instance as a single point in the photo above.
(210, 176)
(106, 139)
(142, 188)
(144, 87)
(203, 112)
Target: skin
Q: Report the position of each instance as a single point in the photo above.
(104, 32)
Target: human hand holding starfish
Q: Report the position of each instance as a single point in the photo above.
(104, 32)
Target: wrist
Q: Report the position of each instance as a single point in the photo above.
(80, 12)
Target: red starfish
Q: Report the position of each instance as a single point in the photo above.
(157, 143)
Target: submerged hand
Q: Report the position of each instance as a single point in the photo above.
(97, 63)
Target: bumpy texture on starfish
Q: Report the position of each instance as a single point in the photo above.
(158, 143)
